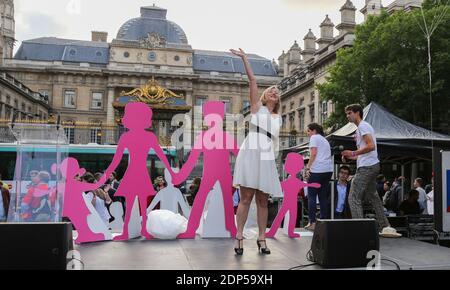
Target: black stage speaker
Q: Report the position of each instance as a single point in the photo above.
(344, 243)
(35, 246)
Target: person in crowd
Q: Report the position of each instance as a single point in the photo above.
(368, 167)
(381, 179)
(318, 170)
(78, 177)
(428, 188)
(4, 184)
(34, 177)
(101, 192)
(418, 185)
(387, 191)
(5, 199)
(430, 199)
(341, 191)
(193, 189)
(393, 197)
(111, 185)
(411, 205)
(37, 203)
(160, 183)
(98, 197)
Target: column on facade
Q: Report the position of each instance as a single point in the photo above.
(110, 118)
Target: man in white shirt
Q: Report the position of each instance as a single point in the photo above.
(430, 198)
(368, 167)
(430, 202)
(418, 185)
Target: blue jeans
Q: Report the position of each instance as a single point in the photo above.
(323, 192)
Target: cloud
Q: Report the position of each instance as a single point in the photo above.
(36, 24)
(312, 5)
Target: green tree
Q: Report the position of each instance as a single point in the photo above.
(388, 64)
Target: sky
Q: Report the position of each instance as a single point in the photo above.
(264, 27)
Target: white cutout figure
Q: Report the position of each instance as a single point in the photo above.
(116, 211)
(134, 227)
(94, 220)
(214, 215)
(286, 223)
(170, 198)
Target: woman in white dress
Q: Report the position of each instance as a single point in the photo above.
(255, 171)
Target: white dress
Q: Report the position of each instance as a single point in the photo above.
(255, 164)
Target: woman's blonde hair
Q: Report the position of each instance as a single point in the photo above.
(264, 99)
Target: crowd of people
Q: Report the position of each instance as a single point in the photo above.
(367, 188)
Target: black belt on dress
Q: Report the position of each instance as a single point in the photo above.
(261, 130)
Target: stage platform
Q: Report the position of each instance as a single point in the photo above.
(218, 254)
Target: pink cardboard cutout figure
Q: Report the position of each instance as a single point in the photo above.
(136, 180)
(74, 206)
(291, 187)
(216, 146)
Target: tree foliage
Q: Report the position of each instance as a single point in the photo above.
(388, 64)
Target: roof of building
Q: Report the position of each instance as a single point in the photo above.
(348, 5)
(310, 35)
(58, 49)
(152, 20)
(327, 22)
(218, 61)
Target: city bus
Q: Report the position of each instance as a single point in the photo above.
(93, 157)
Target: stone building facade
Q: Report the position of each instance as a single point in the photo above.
(303, 69)
(83, 79)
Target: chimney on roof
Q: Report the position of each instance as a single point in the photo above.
(100, 36)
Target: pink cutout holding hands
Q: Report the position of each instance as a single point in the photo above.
(291, 187)
(216, 146)
(136, 180)
(74, 205)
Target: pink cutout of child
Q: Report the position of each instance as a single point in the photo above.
(74, 206)
(291, 187)
(136, 180)
(216, 146)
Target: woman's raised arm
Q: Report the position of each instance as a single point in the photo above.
(255, 102)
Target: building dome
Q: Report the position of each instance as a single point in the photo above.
(152, 21)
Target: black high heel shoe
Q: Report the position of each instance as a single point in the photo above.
(266, 250)
(239, 251)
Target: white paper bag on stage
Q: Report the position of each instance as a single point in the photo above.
(165, 225)
(214, 215)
